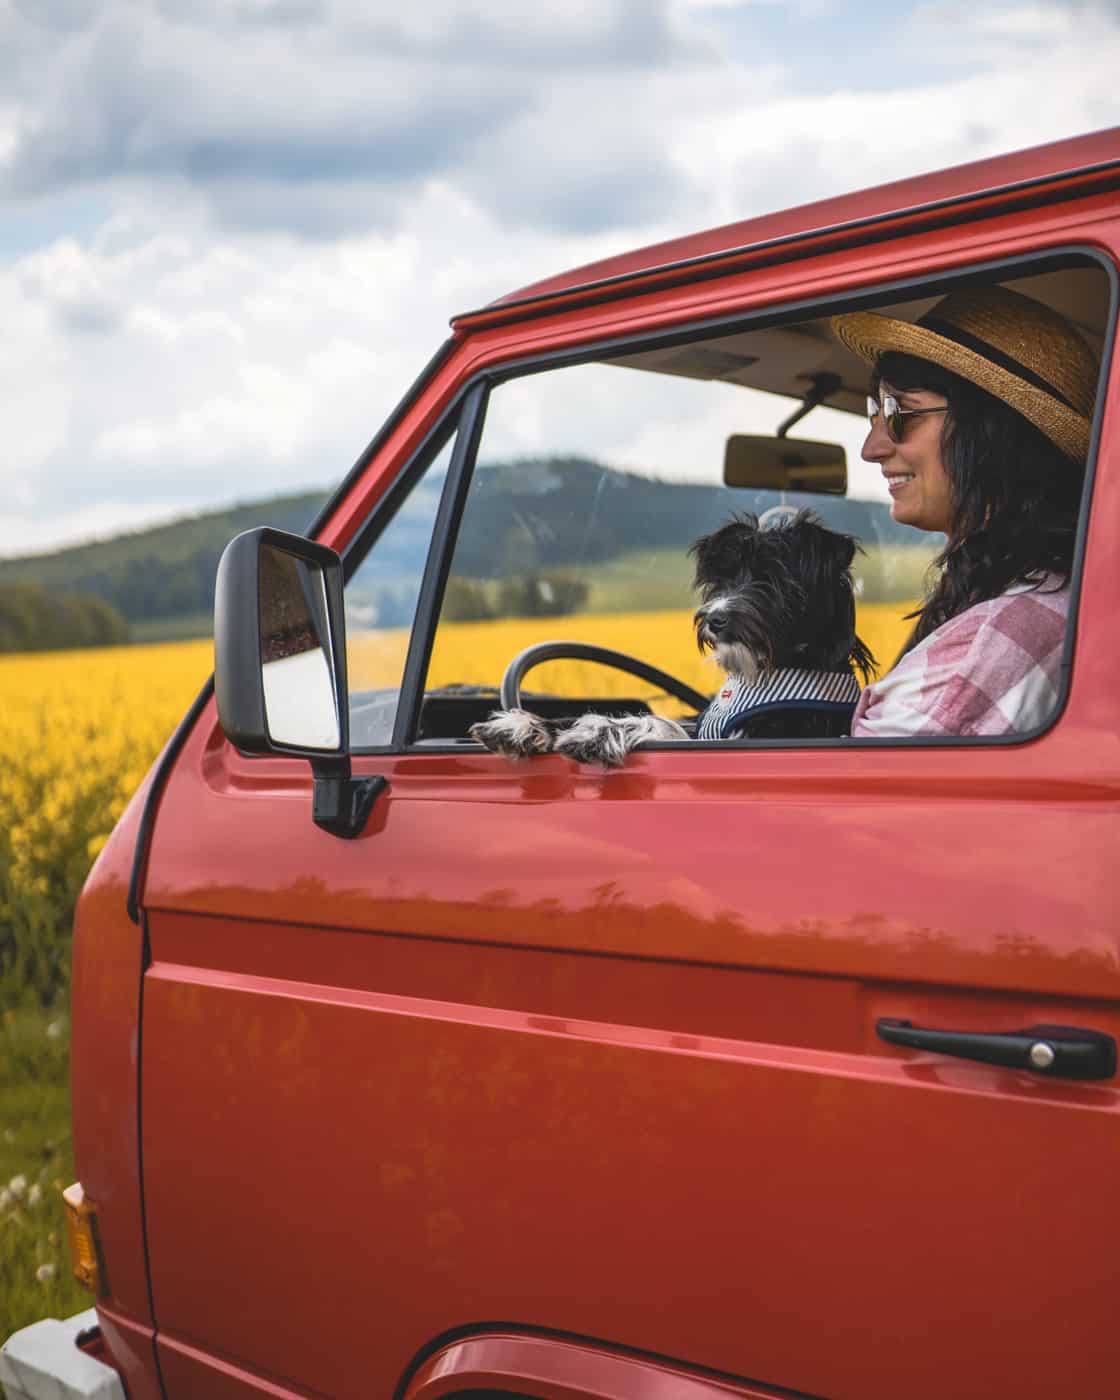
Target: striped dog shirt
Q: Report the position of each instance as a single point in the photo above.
(787, 688)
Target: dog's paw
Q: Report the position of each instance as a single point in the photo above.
(608, 740)
(593, 739)
(513, 733)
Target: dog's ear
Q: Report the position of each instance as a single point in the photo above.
(720, 556)
(836, 548)
(826, 555)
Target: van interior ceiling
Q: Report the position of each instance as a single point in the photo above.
(787, 359)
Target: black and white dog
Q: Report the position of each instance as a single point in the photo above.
(778, 615)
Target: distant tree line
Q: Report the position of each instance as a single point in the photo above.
(155, 587)
(31, 619)
(528, 595)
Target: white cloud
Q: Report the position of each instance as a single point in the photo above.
(233, 367)
(1024, 23)
(324, 118)
(707, 5)
(768, 153)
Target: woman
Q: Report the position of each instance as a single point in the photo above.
(980, 416)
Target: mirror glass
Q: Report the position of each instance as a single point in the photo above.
(299, 694)
(785, 464)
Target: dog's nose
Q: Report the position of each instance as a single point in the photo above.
(715, 623)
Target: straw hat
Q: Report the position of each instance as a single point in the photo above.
(1016, 348)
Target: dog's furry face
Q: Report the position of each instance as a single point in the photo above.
(780, 596)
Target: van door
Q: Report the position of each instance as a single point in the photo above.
(596, 1053)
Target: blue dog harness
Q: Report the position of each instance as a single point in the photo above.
(739, 701)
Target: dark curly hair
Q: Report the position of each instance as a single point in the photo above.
(1015, 495)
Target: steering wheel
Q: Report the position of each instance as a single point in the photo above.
(532, 656)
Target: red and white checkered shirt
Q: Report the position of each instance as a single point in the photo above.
(993, 669)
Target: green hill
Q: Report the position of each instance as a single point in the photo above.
(161, 580)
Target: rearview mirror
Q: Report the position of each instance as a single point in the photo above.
(785, 464)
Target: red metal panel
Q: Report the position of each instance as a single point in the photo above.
(105, 1003)
(365, 1166)
(586, 874)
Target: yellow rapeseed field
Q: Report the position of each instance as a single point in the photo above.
(80, 729)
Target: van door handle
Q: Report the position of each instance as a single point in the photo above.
(1062, 1051)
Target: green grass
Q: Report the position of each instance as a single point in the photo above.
(657, 579)
(647, 580)
(892, 573)
(36, 1162)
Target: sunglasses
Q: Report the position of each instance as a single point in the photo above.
(894, 417)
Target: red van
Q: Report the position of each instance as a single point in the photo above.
(405, 1071)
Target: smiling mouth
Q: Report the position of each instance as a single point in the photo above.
(897, 481)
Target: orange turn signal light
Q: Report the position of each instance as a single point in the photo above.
(85, 1242)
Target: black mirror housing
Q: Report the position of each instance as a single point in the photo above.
(243, 644)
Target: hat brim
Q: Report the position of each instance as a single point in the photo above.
(869, 335)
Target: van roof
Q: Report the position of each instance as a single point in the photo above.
(1096, 152)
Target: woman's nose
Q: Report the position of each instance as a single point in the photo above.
(877, 445)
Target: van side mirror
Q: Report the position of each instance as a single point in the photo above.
(785, 464)
(280, 665)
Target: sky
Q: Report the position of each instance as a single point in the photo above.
(232, 232)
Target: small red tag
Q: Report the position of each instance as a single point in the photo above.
(725, 694)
